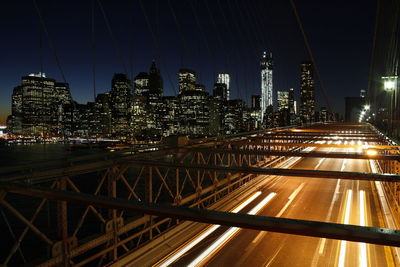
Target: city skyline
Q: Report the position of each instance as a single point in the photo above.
(138, 108)
(285, 43)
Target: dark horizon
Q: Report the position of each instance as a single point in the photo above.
(341, 46)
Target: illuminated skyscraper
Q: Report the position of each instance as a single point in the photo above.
(224, 79)
(120, 103)
(141, 84)
(193, 105)
(307, 100)
(283, 100)
(292, 107)
(187, 80)
(37, 106)
(266, 83)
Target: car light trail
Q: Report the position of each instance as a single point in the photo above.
(228, 234)
(291, 198)
(346, 220)
(203, 235)
(175, 256)
(363, 247)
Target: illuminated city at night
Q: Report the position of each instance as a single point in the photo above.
(200, 133)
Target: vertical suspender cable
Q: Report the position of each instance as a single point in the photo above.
(310, 54)
(184, 45)
(372, 59)
(51, 45)
(41, 78)
(201, 30)
(156, 43)
(93, 52)
(217, 33)
(117, 50)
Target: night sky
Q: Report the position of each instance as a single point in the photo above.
(211, 36)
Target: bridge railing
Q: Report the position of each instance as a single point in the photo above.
(63, 232)
(78, 230)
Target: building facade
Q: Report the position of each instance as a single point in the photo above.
(307, 97)
(121, 97)
(223, 78)
(292, 107)
(266, 83)
(283, 100)
(187, 80)
(37, 106)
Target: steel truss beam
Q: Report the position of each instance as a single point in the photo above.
(312, 154)
(277, 171)
(307, 134)
(312, 138)
(373, 235)
(241, 142)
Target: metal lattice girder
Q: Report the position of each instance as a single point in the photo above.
(312, 154)
(373, 235)
(331, 134)
(313, 138)
(242, 143)
(277, 171)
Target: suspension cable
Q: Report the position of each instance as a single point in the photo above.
(181, 36)
(372, 59)
(311, 54)
(156, 43)
(93, 51)
(115, 44)
(51, 45)
(201, 30)
(217, 34)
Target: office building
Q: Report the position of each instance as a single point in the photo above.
(141, 84)
(37, 106)
(120, 104)
(292, 107)
(223, 78)
(255, 101)
(220, 91)
(307, 98)
(193, 105)
(156, 87)
(187, 80)
(283, 100)
(266, 83)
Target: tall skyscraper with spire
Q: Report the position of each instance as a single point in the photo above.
(155, 81)
(266, 83)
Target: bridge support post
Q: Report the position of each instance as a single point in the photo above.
(62, 223)
(112, 224)
(149, 197)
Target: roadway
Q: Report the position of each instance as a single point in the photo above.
(329, 200)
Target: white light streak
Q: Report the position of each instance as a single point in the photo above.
(363, 247)
(346, 220)
(228, 234)
(175, 256)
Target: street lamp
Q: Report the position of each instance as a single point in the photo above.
(390, 86)
(389, 83)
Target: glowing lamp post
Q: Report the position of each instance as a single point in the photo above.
(390, 85)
